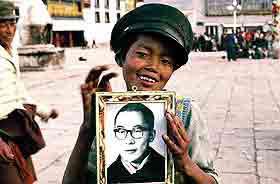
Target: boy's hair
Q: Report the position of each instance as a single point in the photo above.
(148, 115)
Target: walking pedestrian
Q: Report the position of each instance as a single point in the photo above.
(93, 45)
(150, 43)
(230, 46)
(202, 43)
(20, 136)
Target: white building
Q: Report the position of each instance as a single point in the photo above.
(100, 18)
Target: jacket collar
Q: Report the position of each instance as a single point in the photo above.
(4, 54)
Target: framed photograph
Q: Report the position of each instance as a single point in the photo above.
(130, 148)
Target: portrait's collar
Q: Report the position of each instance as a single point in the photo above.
(133, 168)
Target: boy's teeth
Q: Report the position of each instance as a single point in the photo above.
(147, 79)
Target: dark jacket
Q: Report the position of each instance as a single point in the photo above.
(230, 41)
(152, 171)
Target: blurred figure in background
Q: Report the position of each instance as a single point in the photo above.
(230, 46)
(20, 136)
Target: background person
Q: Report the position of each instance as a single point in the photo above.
(16, 112)
(230, 45)
(137, 161)
(150, 43)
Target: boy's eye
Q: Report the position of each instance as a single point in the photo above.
(141, 54)
(167, 61)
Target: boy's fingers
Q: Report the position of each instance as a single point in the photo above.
(104, 83)
(172, 126)
(95, 73)
(181, 129)
(171, 145)
(177, 131)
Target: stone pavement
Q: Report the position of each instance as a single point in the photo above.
(240, 100)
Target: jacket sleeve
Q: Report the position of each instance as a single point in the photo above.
(42, 110)
(200, 149)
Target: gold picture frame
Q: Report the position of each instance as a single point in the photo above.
(108, 151)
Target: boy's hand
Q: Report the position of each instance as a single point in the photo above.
(93, 84)
(177, 142)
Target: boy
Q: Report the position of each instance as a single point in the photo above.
(150, 43)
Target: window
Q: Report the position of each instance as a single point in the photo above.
(96, 4)
(97, 17)
(107, 18)
(118, 5)
(106, 4)
(219, 7)
(118, 16)
(257, 4)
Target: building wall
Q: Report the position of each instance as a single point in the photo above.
(219, 7)
(246, 16)
(100, 31)
(68, 23)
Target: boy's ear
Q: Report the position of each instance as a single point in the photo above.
(152, 136)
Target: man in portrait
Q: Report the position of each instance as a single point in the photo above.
(137, 161)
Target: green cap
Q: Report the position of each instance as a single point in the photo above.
(7, 10)
(156, 18)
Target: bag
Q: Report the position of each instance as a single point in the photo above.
(21, 128)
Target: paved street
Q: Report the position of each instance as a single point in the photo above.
(240, 100)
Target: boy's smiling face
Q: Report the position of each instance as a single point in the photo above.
(148, 64)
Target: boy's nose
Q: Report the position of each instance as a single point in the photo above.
(154, 64)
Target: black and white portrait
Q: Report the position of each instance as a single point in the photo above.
(134, 151)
